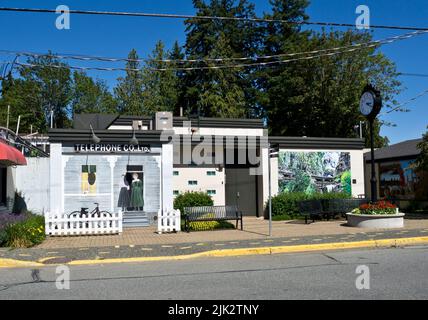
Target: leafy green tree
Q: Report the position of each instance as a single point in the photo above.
(161, 89)
(91, 96)
(422, 160)
(320, 97)
(129, 90)
(37, 92)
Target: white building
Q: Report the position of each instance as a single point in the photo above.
(165, 154)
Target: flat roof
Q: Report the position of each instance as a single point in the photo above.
(104, 121)
(317, 143)
(106, 136)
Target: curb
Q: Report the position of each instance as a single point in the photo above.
(382, 243)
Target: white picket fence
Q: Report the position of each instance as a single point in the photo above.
(63, 225)
(169, 221)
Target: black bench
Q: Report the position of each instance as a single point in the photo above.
(311, 209)
(327, 209)
(211, 213)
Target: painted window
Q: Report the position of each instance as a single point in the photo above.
(211, 173)
(88, 179)
(211, 192)
(192, 182)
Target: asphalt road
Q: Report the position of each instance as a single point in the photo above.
(394, 274)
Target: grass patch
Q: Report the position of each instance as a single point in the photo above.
(22, 231)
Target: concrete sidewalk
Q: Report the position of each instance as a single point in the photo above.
(254, 229)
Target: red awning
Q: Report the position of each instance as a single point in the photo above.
(11, 156)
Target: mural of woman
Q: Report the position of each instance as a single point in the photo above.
(137, 200)
(124, 200)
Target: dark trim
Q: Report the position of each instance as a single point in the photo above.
(203, 122)
(106, 136)
(221, 123)
(127, 121)
(391, 159)
(317, 143)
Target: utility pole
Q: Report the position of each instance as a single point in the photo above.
(272, 153)
(17, 125)
(8, 115)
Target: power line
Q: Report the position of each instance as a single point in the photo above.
(210, 18)
(401, 105)
(404, 74)
(314, 54)
(257, 64)
(221, 59)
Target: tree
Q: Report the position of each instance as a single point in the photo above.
(38, 91)
(91, 96)
(422, 160)
(129, 90)
(161, 89)
(320, 97)
(220, 39)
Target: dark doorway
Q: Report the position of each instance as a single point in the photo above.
(241, 190)
(3, 186)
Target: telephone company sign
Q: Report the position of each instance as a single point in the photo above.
(111, 148)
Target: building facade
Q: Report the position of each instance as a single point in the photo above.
(138, 165)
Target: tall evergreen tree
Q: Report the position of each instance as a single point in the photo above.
(232, 39)
(129, 90)
(160, 88)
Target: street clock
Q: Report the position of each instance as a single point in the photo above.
(370, 102)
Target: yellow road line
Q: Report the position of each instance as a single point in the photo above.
(10, 263)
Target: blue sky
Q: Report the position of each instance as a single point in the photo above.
(115, 36)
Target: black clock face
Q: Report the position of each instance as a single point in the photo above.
(367, 103)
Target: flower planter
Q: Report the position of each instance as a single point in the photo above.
(376, 221)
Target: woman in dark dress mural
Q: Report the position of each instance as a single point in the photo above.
(137, 200)
(124, 198)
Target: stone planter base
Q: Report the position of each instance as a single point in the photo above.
(376, 221)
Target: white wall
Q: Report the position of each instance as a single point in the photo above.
(32, 181)
(205, 182)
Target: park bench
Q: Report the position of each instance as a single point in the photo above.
(211, 213)
(328, 209)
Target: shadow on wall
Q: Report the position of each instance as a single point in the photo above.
(19, 204)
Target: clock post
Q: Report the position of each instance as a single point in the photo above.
(370, 106)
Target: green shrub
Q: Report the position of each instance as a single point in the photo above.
(192, 199)
(25, 234)
(287, 204)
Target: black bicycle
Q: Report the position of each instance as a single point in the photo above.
(96, 213)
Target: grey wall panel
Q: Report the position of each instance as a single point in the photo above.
(107, 190)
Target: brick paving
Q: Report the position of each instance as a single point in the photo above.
(254, 229)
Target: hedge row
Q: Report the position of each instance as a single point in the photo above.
(286, 204)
